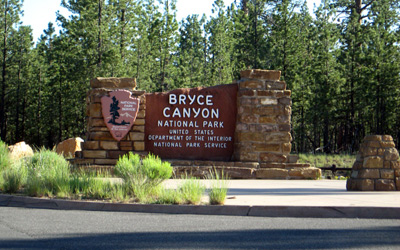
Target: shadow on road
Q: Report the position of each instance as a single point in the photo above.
(380, 237)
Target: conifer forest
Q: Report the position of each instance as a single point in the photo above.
(341, 61)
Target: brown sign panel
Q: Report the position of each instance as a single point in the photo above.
(195, 124)
(119, 112)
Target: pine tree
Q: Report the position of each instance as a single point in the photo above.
(9, 17)
(220, 45)
(191, 55)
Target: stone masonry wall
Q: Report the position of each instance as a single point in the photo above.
(262, 136)
(377, 167)
(263, 127)
(100, 148)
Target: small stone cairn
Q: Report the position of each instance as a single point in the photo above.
(377, 167)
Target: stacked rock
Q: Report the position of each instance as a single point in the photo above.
(100, 148)
(263, 127)
(377, 167)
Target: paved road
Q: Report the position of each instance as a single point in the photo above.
(22, 228)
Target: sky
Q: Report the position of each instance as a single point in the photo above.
(38, 13)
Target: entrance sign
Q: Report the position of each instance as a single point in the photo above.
(119, 112)
(196, 123)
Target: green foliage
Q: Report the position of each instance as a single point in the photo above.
(48, 174)
(219, 187)
(14, 177)
(339, 62)
(128, 166)
(191, 191)
(142, 177)
(93, 185)
(156, 170)
(324, 160)
(5, 160)
(169, 196)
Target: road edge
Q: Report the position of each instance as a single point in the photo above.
(229, 210)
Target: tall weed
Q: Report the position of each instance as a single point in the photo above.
(48, 174)
(219, 187)
(142, 177)
(5, 160)
(14, 177)
(324, 160)
(192, 191)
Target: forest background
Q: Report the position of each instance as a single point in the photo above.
(341, 62)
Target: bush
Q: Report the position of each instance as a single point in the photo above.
(169, 196)
(14, 177)
(192, 191)
(156, 170)
(142, 177)
(5, 160)
(48, 174)
(128, 166)
(325, 160)
(219, 188)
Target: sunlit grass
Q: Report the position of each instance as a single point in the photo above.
(322, 160)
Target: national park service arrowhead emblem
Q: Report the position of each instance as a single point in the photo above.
(119, 112)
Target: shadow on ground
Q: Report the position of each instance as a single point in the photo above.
(373, 238)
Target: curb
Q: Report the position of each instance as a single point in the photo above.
(257, 211)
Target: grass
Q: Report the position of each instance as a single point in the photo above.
(5, 160)
(14, 177)
(48, 174)
(322, 160)
(192, 191)
(142, 177)
(219, 188)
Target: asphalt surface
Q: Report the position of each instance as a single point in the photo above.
(263, 198)
(25, 228)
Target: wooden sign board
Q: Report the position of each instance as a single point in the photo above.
(195, 124)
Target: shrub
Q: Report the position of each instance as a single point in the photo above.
(142, 177)
(48, 174)
(219, 188)
(5, 160)
(325, 160)
(127, 166)
(156, 170)
(169, 196)
(192, 191)
(14, 177)
(98, 189)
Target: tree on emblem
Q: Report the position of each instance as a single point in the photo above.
(114, 107)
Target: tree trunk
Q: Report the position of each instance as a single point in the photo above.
(3, 80)
(17, 127)
(38, 114)
(100, 40)
(122, 41)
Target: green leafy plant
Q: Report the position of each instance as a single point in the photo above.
(191, 191)
(169, 196)
(142, 177)
(324, 160)
(14, 177)
(219, 187)
(48, 174)
(127, 167)
(5, 160)
(155, 170)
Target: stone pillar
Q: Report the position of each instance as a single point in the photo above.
(377, 167)
(263, 127)
(263, 123)
(100, 148)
